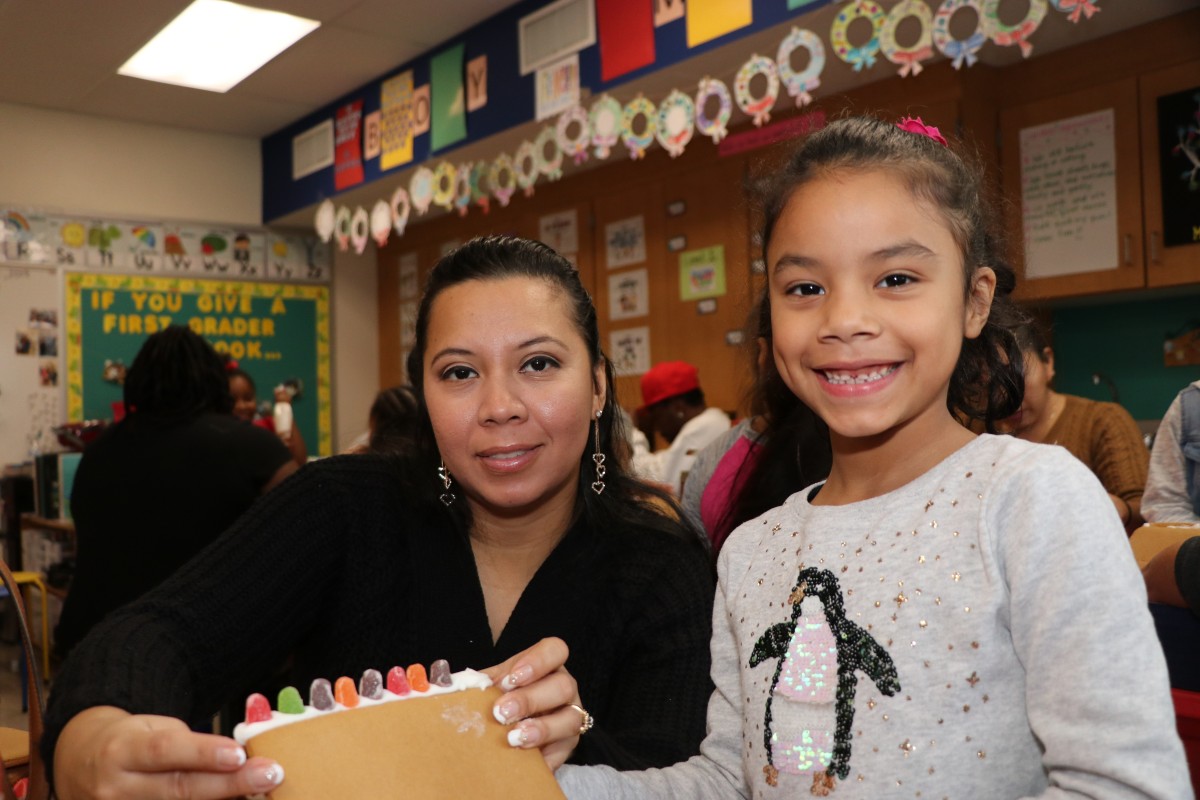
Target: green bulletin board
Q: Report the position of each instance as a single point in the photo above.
(274, 331)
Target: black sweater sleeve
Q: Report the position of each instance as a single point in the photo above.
(233, 611)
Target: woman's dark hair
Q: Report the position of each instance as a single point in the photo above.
(394, 416)
(1032, 339)
(625, 499)
(988, 380)
(796, 451)
(176, 376)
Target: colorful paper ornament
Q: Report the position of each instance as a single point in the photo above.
(959, 50)
(863, 55)
(757, 107)
(575, 147)
(462, 189)
(341, 228)
(525, 168)
(676, 122)
(420, 189)
(444, 176)
(400, 208)
(550, 166)
(1018, 34)
(479, 193)
(800, 84)
(503, 179)
(909, 58)
(713, 128)
(1074, 8)
(605, 122)
(636, 142)
(360, 228)
(381, 222)
(323, 222)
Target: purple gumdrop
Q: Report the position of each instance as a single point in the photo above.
(320, 696)
(439, 673)
(371, 685)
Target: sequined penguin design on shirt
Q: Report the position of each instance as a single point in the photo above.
(813, 646)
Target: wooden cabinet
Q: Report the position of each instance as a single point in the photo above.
(1166, 169)
(1120, 262)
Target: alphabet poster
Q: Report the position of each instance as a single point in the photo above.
(276, 332)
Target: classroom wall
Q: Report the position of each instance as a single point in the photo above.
(58, 161)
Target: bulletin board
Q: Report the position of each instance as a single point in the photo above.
(31, 393)
(275, 332)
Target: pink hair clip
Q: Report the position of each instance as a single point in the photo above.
(915, 125)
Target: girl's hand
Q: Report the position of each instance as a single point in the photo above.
(542, 699)
(105, 752)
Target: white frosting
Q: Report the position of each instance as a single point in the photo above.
(459, 681)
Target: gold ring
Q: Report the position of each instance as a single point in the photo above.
(588, 720)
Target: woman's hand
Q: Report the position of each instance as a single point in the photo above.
(105, 752)
(539, 695)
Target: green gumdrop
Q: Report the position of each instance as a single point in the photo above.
(290, 701)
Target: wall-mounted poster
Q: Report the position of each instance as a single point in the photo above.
(629, 350)
(276, 332)
(297, 258)
(27, 236)
(628, 294)
(70, 247)
(1179, 162)
(702, 273)
(409, 284)
(625, 242)
(560, 231)
(556, 87)
(1069, 195)
(408, 324)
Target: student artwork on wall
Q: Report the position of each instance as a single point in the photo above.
(409, 287)
(625, 242)
(560, 230)
(557, 87)
(702, 273)
(628, 294)
(408, 324)
(297, 258)
(629, 350)
(275, 331)
(396, 124)
(1179, 164)
(27, 236)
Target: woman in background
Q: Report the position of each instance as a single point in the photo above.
(1101, 435)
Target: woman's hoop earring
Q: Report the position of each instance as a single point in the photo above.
(447, 496)
(598, 459)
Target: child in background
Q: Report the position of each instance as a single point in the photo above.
(245, 406)
(948, 615)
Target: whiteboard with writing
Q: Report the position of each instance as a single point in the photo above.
(1069, 196)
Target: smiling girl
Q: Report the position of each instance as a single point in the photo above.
(948, 615)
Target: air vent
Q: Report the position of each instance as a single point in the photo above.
(312, 150)
(554, 32)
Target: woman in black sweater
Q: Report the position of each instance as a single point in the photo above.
(513, 522)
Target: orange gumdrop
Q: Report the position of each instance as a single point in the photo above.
(345, 693)
(417, 678)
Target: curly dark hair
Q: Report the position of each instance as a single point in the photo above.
(988, 380)
(176, 376)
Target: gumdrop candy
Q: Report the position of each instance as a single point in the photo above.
(290, 701)
(371, 685)
(397, 681)
(417, 679)
(345, 693)
(257, 708)
(320, 696)
(439, 673)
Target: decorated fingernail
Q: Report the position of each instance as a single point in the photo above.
(345, 693)
(320, 695)
(257, 708)
(231, 756)
(417, 678)
(524, 734)
(506, 712)
(371, 685)
(266, 777)
(397, 681)
(439, 673)
(290, 701)
(515, 678)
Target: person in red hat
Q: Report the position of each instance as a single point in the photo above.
(673, 406)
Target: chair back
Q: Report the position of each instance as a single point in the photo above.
(37, 787)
